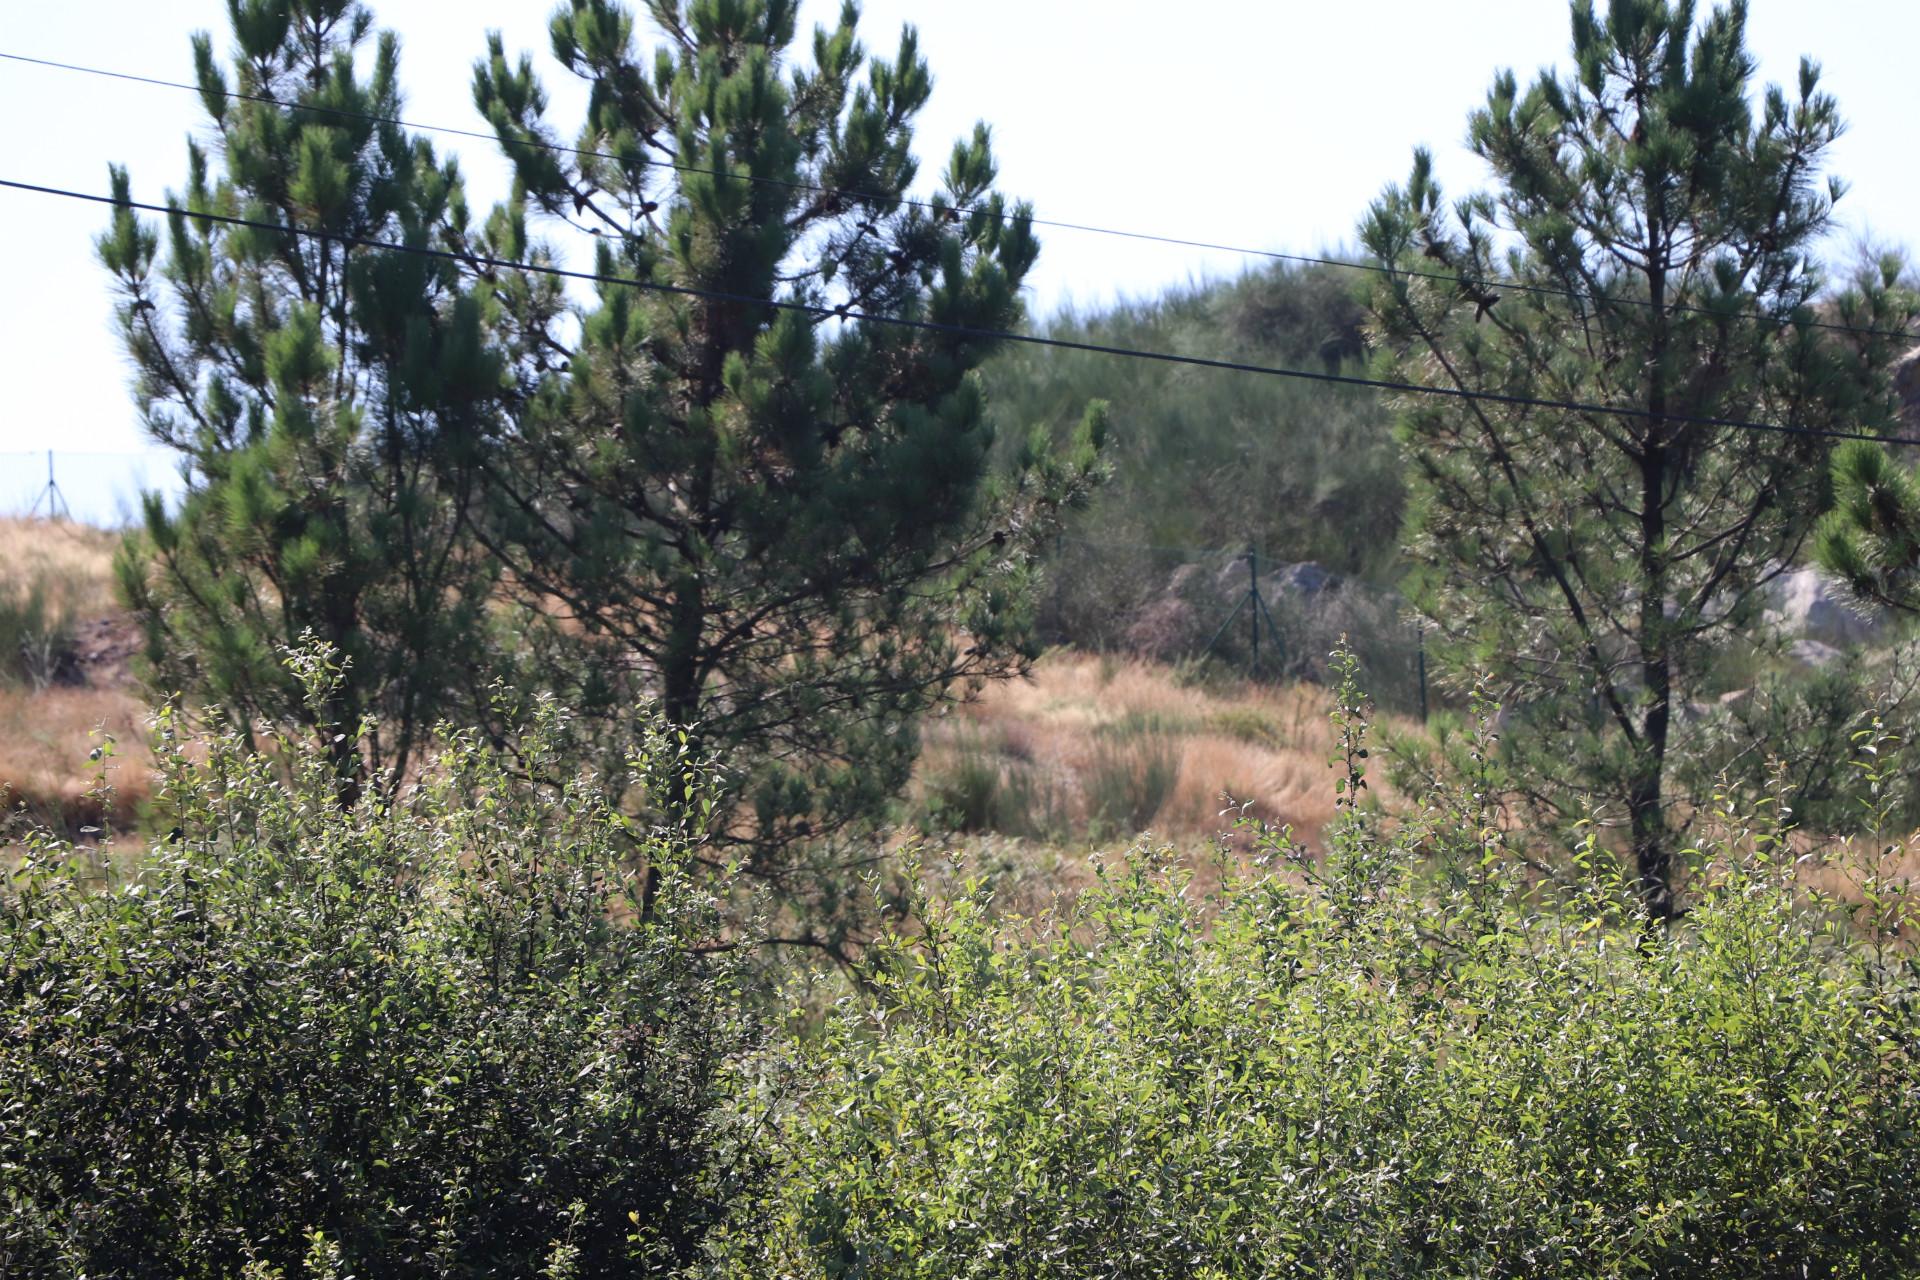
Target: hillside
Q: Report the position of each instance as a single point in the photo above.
(1206, 466)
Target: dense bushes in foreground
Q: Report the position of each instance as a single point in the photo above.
(1293, 1088)
(488, 1032)
(458, 1037)
(1382, 1066)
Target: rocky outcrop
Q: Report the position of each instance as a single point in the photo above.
(1810, 607)
(1164, 627)
(1182, 616)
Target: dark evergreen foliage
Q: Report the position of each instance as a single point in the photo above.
(314, 392)
(1595, 561)
(780, 525)
(1871, 538)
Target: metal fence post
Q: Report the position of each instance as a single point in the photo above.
(1253, 596)
(1420, 633)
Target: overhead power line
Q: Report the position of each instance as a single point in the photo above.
(1271, 255)
(1152, 548)
(826, 312)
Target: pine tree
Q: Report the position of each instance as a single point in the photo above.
(1654, 234)
(1870, 540)
(781, 525)
(314, 391)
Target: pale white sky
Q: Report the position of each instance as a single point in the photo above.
(1263, 123)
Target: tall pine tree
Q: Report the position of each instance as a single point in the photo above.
(316, 393)
(1654, 232)
(780, 524)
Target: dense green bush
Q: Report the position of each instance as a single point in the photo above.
(494, 1029)
(1406, 1060)
(1763, 719)
(463, 1035)
(1808, 716)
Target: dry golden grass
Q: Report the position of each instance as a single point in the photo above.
(45, 770)
(1858, 871)
(46, 736)
(1062, 733)
(74, 561)
(1263, 746)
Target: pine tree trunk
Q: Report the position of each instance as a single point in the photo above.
(1645, 795)
(1653, 860)
(680, 663)
(680, 678)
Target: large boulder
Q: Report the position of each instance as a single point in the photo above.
(1168, 624)
(1808, 605)
(1305, 580)
(1296, 583)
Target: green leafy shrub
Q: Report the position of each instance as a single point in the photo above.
(1807, 717)
(468, 1033)
(1408, 1059)
(1246, 724)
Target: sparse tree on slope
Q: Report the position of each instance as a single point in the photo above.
(311, 389)
(1654, 230)
(781, 524)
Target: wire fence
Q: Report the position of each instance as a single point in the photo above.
(91, 486)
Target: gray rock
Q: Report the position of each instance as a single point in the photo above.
(1805, 603)
(1304, 579)
(1814, 653)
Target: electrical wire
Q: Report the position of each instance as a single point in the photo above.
(842, 312)
(1152, 548)
(1505, 286)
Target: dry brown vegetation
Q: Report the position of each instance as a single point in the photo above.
(73, 562)
(1089, 749)
(1101, 748)
(1030, 771)
(46, 740)
(1086, 753)
(48, 734)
